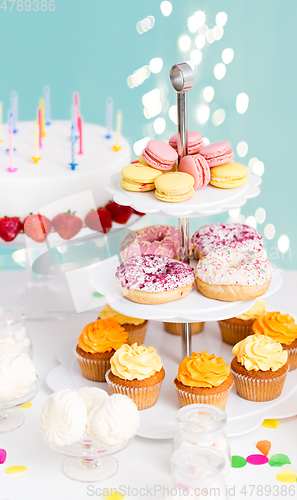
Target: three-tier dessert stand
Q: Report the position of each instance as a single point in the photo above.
(155, 422)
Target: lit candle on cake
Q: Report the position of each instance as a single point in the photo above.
(108, 118)
(42, 117)
(117, 146)
(73, 140)
(14, 107)
(36, 157)
(11, 167)
(1, 128)
(47, 106)
(80, 136)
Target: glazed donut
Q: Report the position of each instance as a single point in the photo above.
(214, 236)
(229, 274)
(151, 279)
(151, 240)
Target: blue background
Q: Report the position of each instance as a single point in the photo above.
(93, 46)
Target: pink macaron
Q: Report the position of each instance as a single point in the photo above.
(195, 143)
(217, 153)
(159, 155)
(198, 167)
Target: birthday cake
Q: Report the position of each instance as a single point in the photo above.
(34, 186)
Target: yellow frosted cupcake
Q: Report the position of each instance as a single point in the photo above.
(96, 345)
(135, 327)
(203, 378)
(259, 368)
(281, 328)
(234, 330)
(137, 372)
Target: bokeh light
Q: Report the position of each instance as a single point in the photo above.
(206, 141)
(218, 117)
(196, 56)
(258, 168)
(208, 94)
(242, 149)
(251, 221)
(203, 30)
(210, 37)
(221, 19)
(283, 243)
(202, 113)
(166, 8)
(173, 114)
(269, 231)
(138, 77)
(194, 22)
(156, 65)
(260, 215)
(242, 102)
(218, 32)
(200, 41)
(159, 125)
(227, 55)
(146, 24)
(219, 71)
(139, 146)
(184, 43)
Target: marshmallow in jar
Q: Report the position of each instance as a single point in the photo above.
(13, 328)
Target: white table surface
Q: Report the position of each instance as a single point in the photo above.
(44, 479)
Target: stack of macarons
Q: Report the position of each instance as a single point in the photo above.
(155, 169)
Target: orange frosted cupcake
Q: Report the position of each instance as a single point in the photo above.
(203, 378)
(96, 345)
(135, 327)
(283, 329)
(259, 368)
(137, 372)
(234, 330)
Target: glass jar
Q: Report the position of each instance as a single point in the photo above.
(203, 425)
(13, 328)
(197, 472)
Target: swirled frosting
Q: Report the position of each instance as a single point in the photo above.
(254, 312)
(277, 326)
(103, 335)
(92, 396)
(113, 421)
(258, 352)
(229, 266)
(135, 362)
(202, 370)
(63, 418)
(108, 313)
(17, 373)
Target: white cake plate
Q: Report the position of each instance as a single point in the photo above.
(206, 201)
(158, 422)
(194, 307)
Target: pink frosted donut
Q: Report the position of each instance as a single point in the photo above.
(215, 236)
(150, 279)
(152, 240)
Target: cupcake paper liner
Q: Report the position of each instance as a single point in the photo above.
(175, 328)
(231, 334)
(258, 389)
(137, 335)
(93, 369)
(292, 358)
(188, 398)
(144, 397)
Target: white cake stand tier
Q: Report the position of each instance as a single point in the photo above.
(206, 201)
(158, 422)
(194, 307)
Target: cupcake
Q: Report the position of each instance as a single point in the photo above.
(175, 328)
(203, 378)
(259, 368)
(136, 371)
(136, 328)
(234, 330)
(283, 329)
(96, 345)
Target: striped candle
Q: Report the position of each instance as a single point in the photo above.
(73, 141)
(40, 128)
(117, 146)
(36, 156)
(80, 136)
(42, 117)
(10, 147)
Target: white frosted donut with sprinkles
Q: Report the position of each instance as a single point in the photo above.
(230, 274)
(151, 240)
(150, 279)
(214, 236)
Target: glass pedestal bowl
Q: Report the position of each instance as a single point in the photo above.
(90, 462)
(11, 419)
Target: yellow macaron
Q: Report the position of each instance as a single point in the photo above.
(228, 176)
(174, 187)
(139, 177)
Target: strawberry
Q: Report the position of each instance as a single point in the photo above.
(67, 225)
(99, 220)
(141, 214)
(9, 228)
(37, 227)
(119, 213)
